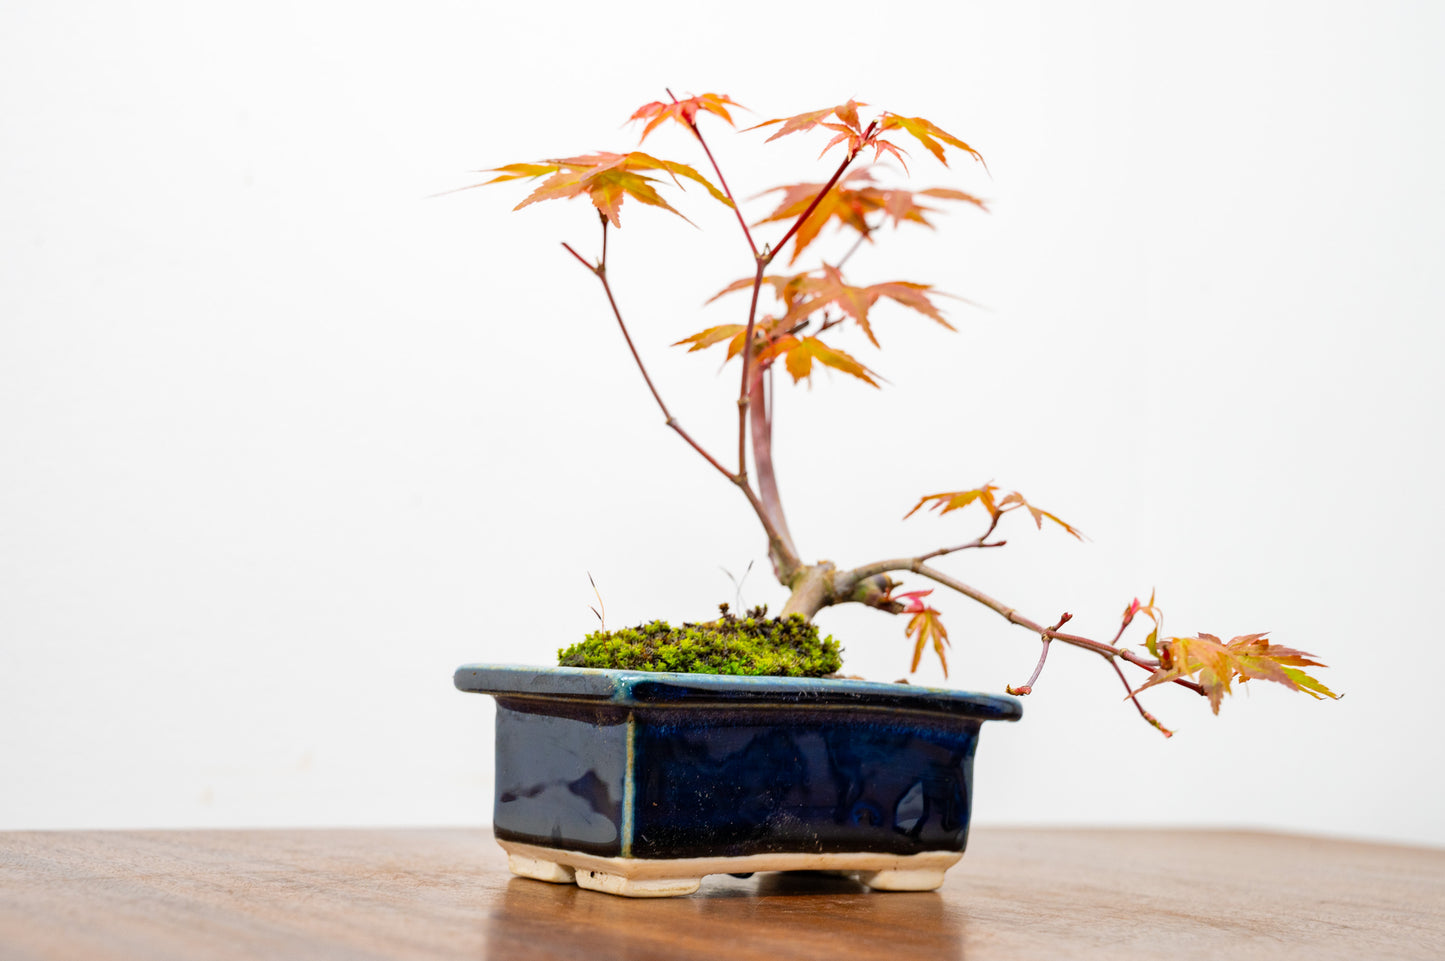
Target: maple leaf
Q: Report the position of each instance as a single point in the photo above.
(996, 507)
(733, 333)
(606, 178)
(1215, 664)
(799, 353)
(928, 134)
(846, 113)
(786, 287)
(1017, 500)
(830, 289)
(850, 203)
(957, 500)
(925, 627)
(848, 129)
(841, 204)
(683, 111)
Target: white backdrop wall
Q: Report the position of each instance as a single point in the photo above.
(284, 439)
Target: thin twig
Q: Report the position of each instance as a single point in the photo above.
(1142, 713)
(980, 541)
(828, 322)
(1043, 656)
(722, 181)
(600, 273)
(961, 547)
(863, 235)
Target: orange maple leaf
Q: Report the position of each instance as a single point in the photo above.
(683, 111)
(798, 354)
(850, 203)
(928, 134)
(926, 627)
(996, 507)
(1215, 664)
(848, 129)
(606, 178)
(807, 293)
(846, 114)
(786, 287)
(1016, 499)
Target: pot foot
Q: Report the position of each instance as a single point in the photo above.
(636, 888)
(902, 880)
(540, 870)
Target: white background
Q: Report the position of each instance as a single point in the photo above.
(284, 439)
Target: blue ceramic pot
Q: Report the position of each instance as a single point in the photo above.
(640, 784)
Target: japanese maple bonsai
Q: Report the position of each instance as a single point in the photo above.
(798, 335)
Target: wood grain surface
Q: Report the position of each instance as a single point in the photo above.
(446, 893)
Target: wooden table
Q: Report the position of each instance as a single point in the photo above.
(446, 893)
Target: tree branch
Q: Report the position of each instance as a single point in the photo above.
(863, 235)
(1043, 656)
(980, 541)
(1142, 713)
(916, 566)
(775, 541)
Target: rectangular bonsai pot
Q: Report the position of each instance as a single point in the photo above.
(641, 783)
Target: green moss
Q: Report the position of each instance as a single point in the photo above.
(754, 644)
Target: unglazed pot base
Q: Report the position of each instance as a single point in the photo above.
(671, 877)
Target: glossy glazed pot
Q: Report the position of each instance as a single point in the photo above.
(641, 784)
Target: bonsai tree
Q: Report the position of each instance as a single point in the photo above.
(789, 329)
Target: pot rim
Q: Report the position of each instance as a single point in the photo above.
(657, 689)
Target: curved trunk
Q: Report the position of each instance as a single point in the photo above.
(812, 591)
(784, 554)
(821, 585)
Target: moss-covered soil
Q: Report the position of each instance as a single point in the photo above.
(754, 644)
